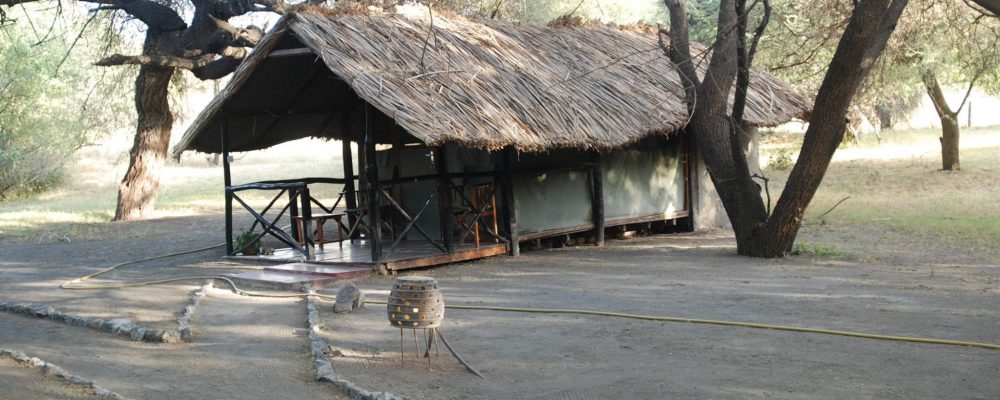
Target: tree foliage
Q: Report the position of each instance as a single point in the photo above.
(946, 36)
(51, 101)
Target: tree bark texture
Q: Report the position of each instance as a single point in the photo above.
(949, 122)
(864, 39)
(715, 132)
(137, 191)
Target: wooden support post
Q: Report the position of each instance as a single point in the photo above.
(350, 193)
(227, 182)
(293, 211)
(372, 188)
(597, 199)
(507, 192)
(686, 151)
(307, 225)
(444, 205)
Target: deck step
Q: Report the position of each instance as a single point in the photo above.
(337, 271)
(278, 280)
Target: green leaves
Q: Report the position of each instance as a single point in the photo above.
(45, 115)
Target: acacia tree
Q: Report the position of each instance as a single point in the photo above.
(715, 128)
(936, 41)
(952, 43)
(207, 45)
(51, 102)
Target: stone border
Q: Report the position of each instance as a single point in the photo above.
(193, 301)
(50, 369)
(119, 326)
(324, 370)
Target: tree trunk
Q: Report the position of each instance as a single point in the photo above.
(137, 191)
(949, 122)
(757, 234)
(949, 143)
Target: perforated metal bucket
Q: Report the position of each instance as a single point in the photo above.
(415, 303)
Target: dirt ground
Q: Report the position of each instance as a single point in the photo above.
(258, 348)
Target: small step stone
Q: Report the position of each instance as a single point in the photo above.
(349, 298)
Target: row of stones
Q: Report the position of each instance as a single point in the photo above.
(50, 369)
(324, 370)
(119, 326)
(193, 301)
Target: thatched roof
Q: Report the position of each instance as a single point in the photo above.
(480, 83)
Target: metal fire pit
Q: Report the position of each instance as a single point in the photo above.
(415, 303)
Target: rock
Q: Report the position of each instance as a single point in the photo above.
(187, 334)
(76, 380)
(153, 336)
(171, 336)
(43, 311)
(360, 301)
(53, 370)
(347, 297)
(95, 323)
(3, 306)
(117, 325)
(137, 334)
(103, 392)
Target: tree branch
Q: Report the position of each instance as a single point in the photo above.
(158, 17)
(968, 91)
(934, 92)
(240, 37)
(158, 61)
(991, 7)
(679, 51)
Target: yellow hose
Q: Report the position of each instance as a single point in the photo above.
(76, 284)
(724, 323)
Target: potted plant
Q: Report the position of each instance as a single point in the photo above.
(249, 242)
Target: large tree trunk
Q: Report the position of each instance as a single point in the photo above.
(949, 122)
(864, 39)
(137, 191)
(757, 234)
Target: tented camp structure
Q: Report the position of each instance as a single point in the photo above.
(471, 135)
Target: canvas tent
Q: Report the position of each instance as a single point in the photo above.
(565, 129)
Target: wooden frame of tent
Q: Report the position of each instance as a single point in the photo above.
(366, 248)
(497, 108)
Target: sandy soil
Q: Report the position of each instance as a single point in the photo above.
(29, 384)
(257, 348)
(565, 356)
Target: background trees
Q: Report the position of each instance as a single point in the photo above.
(52, 102)
(206, 44)
(937, 42)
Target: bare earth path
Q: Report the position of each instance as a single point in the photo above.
(27, 384)
(258, 348)
(546, 356)
(243, 348)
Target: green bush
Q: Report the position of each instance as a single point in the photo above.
(51, 106)
(781, 161)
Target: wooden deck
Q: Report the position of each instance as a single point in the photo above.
(409, 254)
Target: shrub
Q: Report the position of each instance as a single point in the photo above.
(50, 106)
(781, 160)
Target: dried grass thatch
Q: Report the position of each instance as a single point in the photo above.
(488, 84)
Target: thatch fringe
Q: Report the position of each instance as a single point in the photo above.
(488, 84)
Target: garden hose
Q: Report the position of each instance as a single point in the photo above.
(76, 284)
(723, 323)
